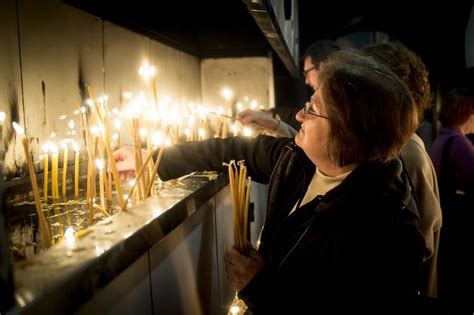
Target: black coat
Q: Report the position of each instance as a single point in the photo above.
(356, 246)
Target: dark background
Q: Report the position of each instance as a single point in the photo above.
(217, 28)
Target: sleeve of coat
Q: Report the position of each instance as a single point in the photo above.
(260, 155)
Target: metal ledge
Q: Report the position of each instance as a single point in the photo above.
(266, 21)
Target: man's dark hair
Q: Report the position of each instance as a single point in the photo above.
(320, 51)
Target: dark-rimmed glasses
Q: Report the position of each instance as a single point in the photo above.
(307, 109)
(305, 72)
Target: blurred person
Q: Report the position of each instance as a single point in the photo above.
(341, 231)
(412, 71)
(453, 158)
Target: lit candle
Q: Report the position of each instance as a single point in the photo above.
(148, 73)
(41, 219)
(76, 169)
(100, 166)
(118, 124)
(2, 120)
(46, 169)
(65, 157)
(227, 94)
(54, 171)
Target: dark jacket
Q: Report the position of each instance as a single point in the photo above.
(357, 245)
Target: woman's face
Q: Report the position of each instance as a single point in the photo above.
(468, 126)
(313, 135)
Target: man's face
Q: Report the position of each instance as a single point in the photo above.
(311, 73)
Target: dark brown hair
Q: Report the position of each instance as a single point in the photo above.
(372, 113)
(410, 69)
(457, 106)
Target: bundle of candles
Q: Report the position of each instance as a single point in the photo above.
(240, 191)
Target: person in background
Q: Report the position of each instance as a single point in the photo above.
(341, 232)
(312, 59)
(453, 158)
(413, 72)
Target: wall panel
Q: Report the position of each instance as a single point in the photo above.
(61, 50)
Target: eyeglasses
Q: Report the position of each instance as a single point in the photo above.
(305, 72)
(307, 109)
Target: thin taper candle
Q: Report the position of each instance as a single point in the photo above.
(39, 211)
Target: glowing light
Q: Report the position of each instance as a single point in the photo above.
(71, 124)
(127, 95)
(253, 104)
(201, 133)
(75, 146)
(227, 93)
(18, 129)
(99, 164)
(46, 147)
(247, 132)
(240, 106)
(53, 148)
(157, 139)
(62, 117)
(147, 71)
(69, 236)
(2, 117)
(90, 103)
(95, 130)
(234, 310)
(117, 123)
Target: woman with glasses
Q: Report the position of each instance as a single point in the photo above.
(340, 230)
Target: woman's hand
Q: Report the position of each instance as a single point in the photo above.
(125, 162)
(240, 268)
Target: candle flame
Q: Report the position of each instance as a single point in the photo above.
(117, 123)
(53, 148)
(18, 129)
(247, 132)
(157, 139)
(227, 93)
(46, 147)
(253, 104)
(63, 144)
(69, 233)
(147, 71)
(95, 130)
(69, 236)
(75, 146)
(71, 124)
(127, 95)
(99, 164)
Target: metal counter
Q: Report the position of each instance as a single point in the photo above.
(161, 256)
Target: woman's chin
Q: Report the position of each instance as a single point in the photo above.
(298, 139)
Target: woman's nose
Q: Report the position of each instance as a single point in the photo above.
(300, 116)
